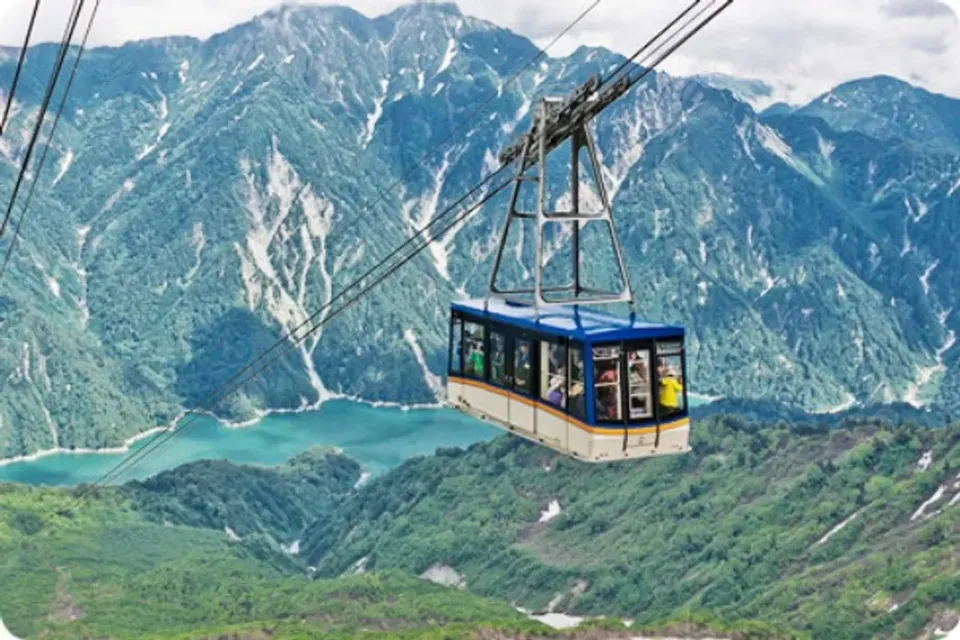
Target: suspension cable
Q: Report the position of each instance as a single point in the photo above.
(72, 21)
(46, 149)
(16, 73)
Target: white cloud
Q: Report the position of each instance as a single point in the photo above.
(801, 48)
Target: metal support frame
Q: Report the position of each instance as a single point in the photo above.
(535, 150)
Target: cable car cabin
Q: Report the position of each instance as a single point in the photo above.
(589, 385)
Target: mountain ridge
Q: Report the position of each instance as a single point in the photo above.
(204, 191)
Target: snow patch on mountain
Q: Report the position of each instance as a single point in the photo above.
(256, 63)
(374, 117)
(198, 241)
(925, 278)
(954, 188)
(65, 161)
(445, 575)
(922, 511)
(837, 529)
(448, 56)
(127, 187)
(433, 381)
(552, 511)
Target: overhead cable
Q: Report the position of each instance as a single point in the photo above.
(16, 73)
(46, 149)
(72, 21)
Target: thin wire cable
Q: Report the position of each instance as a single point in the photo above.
(683, 40)
(16, 73)
(72, 21)
(46, 149)
(168, 435)
(649, 43)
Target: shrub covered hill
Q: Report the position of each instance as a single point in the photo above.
(764, 530)
(203, 196)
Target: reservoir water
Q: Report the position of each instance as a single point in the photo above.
(378, 438)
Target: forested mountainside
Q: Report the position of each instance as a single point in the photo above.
(841, 532)
(205, 196)
(195, 553)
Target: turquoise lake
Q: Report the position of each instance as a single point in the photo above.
(378, 438)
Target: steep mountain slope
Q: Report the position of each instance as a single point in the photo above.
(206, 197)
(843, 533)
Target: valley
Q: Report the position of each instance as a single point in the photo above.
(208, 198)
(215, 193)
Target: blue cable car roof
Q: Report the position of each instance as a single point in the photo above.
(579, 324)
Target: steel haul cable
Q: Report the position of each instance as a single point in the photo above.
(72, 21)
(46, 149)
(19, 69)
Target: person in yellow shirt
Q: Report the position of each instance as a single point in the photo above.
(670, 388)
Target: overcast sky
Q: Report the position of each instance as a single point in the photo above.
(801, 47)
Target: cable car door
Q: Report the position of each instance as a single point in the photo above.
(523, 378)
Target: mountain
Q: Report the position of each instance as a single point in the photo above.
(844, 531)
(123, 563)
(765, 530)
(756, 93)
(204, 197)
(887, 108)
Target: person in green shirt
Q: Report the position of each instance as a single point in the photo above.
(476, 362)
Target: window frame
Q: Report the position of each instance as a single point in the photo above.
(647, 347)
(456, 319)
(620, 368)
(515, 338)
(544, 373)
(680, 352)
(585, 379)
(484, 340)
(505, 381)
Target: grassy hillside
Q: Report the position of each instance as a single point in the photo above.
(741, 527)
(848, 532)
(121, 564)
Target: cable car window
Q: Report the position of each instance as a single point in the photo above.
(671, 376)
(553, 373)
(456, 345)
(606, 383)
(522, 368)
(473, 348)
(578, 406)
(498, 358)
(638, 370)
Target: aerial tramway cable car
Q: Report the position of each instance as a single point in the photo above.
(594, 386)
